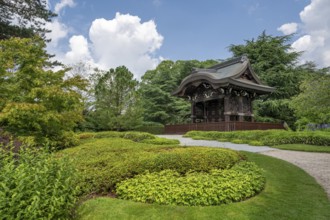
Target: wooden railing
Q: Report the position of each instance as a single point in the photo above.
(220, 126)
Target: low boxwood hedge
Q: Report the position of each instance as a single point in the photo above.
(217, 187)
(265, 137)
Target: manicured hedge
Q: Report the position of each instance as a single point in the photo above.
(183, 160)
(136, 136)
(267, 137)
(102, 163)
(161, 141)
(217, 187)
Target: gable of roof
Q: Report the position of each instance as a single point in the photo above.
(236, 72)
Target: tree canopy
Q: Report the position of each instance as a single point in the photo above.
(116, 104)
(23, 18)
(36, 103)
(274, 61)
(313, 103)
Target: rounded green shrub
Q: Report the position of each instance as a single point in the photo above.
(86, 135)
(137, 136)
(168, 187)
(161, 141)
(198, 159)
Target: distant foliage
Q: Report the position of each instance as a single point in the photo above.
(217, 187)
(36, 103)
(312, 105)
(117, 104)
(35, 185)
(275, 63)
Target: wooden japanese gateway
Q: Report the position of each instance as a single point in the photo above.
(221, 98)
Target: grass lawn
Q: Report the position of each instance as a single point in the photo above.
(290, 193)
(304, 147)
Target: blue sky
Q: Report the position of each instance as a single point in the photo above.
(180, 29)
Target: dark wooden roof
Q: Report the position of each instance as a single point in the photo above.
(236, 72)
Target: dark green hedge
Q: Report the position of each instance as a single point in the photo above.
(183, 160)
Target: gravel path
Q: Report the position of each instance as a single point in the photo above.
(315, 164)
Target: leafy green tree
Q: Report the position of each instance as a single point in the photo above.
(275, 63)
(312, 105)
(23, 18)
(156, 88)
(117, 102)
(36, 103)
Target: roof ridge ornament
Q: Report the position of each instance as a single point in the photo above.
(244, 58)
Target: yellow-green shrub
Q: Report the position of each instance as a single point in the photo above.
(168, 187)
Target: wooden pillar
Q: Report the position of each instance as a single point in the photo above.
(227, 108)
(240, 108)
(251, 109)
(193, 112)
(205, 111)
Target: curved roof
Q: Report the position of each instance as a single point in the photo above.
(235, 72)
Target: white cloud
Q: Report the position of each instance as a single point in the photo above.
(308, 43)
(315, 33)
(288, 28)
(125, 40)
(79, 50)
(58, 31)
(62, 4)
